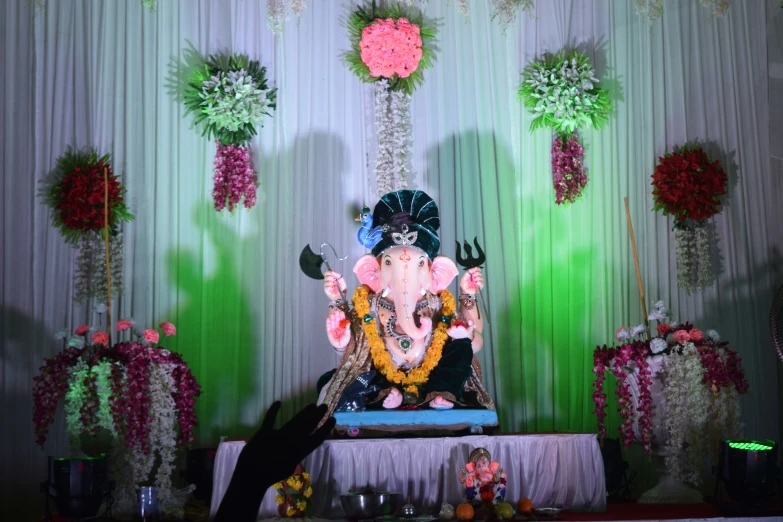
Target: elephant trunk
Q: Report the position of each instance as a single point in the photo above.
(405, 298)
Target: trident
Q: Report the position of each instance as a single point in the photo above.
(469, 262)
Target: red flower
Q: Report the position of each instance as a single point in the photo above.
(688, 185)
(664, 329)
(82, 330)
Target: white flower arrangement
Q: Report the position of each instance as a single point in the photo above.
(562, 92)
(233, 100)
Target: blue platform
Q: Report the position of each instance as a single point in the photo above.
(406, 420)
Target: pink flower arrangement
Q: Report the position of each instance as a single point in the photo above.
(168, 329)
(151, 336)
(123, 325)
(390, 47)
(568, 173)
(234, 177)
(130, 399)
(722, 368)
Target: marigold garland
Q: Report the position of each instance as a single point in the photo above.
(381, 357)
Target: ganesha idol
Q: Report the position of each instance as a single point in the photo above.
(484, 480)
(406, 343)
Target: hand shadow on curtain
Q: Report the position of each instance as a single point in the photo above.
(540, 287)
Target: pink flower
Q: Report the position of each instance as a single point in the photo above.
(151, 336)
(696, 335)
(82, 330)
(168, 329)
(100, 338)
(681, 336)
(123, 324)
(388, 47)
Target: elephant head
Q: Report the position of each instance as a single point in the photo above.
(404, 274)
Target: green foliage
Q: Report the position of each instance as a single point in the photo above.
(364, 17)
(217, 67)
(52, 191)
(562, 93)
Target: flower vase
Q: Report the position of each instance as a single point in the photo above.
(669, 490)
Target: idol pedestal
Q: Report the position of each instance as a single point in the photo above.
(553, 470)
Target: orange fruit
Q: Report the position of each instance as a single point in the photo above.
(525, 506)
(465, 512)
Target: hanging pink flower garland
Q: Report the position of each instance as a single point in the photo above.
(568, 170)
(234, 177)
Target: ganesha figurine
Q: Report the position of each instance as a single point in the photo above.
(484, 480)
(406, 342)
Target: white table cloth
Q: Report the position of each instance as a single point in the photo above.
(557, 470)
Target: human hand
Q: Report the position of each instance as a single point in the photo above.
(338, 329)
(461, 330)
(272, 455)
(472, 281)
(331, 281)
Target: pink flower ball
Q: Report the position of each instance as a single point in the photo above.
(82, 330)
(696, 335)
(123, 324)
(100, 338)
(168, 329)
(388, 48)
(681, 336)
(151, 336)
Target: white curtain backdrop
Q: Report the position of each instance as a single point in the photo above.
(559, 280)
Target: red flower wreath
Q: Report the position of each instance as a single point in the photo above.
(76, 193)
(688, 185)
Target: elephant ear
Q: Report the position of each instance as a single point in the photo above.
(493, 466)
(470, 467)
(443, 273)
(368, 271)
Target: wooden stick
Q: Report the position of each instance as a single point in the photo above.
(636, 262)
(106, 242)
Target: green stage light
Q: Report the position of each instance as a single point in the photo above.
(750, 445)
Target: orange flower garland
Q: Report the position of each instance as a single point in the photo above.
(381, 358)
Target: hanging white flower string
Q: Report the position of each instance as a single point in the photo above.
(685, 257)
(384, 161)
(278, 11)
(163, 434)
(705, 271)
(651, 10)
(400, 118)
(90, 275)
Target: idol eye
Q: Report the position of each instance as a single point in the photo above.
(421, 262)
(387, 262)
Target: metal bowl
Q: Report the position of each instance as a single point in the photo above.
(360, 506)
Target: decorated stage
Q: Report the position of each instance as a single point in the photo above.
(553, 470)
